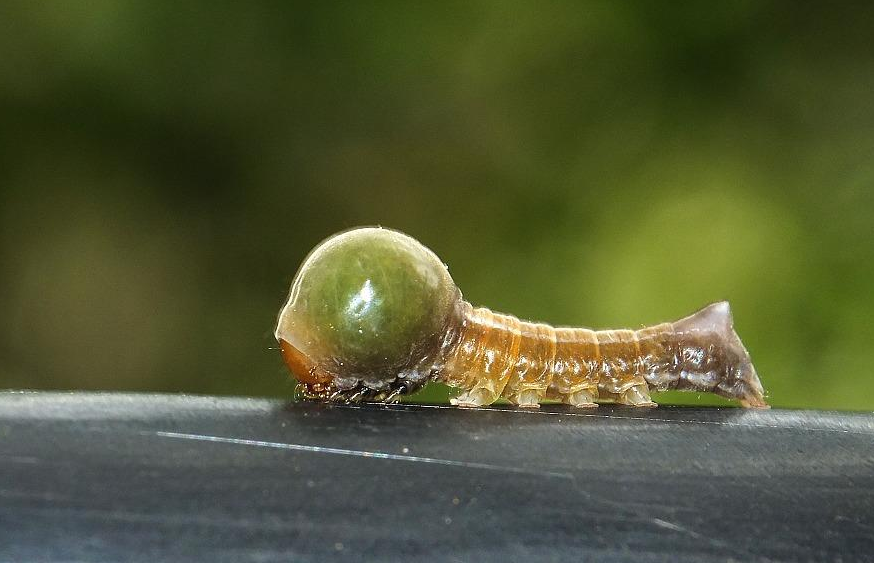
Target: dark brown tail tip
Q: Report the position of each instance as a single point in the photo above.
(744, 385)
(754, 404)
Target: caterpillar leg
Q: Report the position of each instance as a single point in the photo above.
(528, 398)
(637, 396)
(582, 399)
(481, 395)
(470, 399)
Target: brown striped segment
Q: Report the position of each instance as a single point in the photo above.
(577, 361)
(485, 354)
(475, 331)
(501, 356)
(619, 361)
(658, 359)
(533, 369)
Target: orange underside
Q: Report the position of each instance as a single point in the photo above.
(303, 369)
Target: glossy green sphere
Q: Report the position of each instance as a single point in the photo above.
(367, 301)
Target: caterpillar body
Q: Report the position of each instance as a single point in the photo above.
(373, 315)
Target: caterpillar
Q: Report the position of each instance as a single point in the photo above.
(372, 314)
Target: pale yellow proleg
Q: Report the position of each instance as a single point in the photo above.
(637, 396)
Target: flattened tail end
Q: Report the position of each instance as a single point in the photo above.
(740, 380)
(754, 404)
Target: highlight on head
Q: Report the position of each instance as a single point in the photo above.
(366, 312)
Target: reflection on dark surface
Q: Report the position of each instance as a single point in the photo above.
(206, 479)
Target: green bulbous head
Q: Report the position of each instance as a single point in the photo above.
(366, 306)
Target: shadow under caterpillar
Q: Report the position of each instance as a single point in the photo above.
(373, 314)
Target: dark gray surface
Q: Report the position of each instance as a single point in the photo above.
(87, 477)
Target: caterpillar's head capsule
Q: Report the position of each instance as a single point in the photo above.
(367, 311)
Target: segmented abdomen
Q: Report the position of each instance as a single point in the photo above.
(496, 355)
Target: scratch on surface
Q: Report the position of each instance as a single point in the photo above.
(360, 453)
(693, 534)
(19, 459)
(51, 497)
(671, 526)
(402, 408)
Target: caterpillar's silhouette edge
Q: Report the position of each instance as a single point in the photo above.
(372, 314)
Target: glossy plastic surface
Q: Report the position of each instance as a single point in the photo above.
(145, 478)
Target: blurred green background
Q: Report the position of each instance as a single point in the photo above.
(165, 166)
